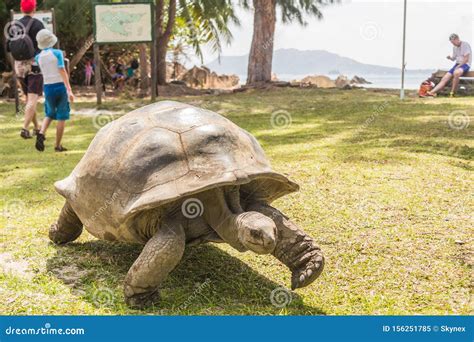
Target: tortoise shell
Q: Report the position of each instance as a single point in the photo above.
(162, 153)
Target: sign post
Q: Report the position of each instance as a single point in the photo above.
(154, 79)
(402, 90)
(131, 22)
(14, 77)
(98, 74)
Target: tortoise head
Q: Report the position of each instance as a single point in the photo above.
(257, 232)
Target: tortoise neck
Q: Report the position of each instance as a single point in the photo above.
(218, 215)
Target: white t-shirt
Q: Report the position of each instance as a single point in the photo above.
(50, 61)
(460, 52)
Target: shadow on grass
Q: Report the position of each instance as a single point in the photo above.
(208, 281)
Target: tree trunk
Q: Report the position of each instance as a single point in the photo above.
(163, 35)
(82, 51)
(161, 64)
(144, 84)
(261, 52)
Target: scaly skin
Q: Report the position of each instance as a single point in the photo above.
(294, 247)
(261, 228)
(158, 258)
(68, 227)
(244, 231)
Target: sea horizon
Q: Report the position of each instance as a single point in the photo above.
(391, 81)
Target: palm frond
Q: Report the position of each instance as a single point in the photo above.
(206, 22)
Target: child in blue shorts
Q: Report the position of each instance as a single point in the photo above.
(57, 89)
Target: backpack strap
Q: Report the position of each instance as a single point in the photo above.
(28, 26)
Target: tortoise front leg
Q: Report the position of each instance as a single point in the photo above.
(159, 257)
(294, 247)
(67, 228)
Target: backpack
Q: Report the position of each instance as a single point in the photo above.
(21, 46)
(425, 87)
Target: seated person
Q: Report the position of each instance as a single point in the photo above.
(462, 55)
(118, 78)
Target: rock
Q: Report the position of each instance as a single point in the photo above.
(274, 77)
(319, 81)
(359, 80)
(281, 84)
(204, 78)
(174, 71)
(240, 90)
(342, 82)
(173, 89)
(178, 83)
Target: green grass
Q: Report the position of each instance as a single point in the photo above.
(386, 191)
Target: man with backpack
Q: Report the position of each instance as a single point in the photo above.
(24, 47)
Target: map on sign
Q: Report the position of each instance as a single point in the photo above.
(118, 23)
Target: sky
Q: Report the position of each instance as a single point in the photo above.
(370, 31)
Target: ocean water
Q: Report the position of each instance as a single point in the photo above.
(412, 80)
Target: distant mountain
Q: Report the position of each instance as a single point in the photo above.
(309, 62)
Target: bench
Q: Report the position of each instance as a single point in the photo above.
(466, 83)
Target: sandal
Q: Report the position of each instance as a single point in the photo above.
(35, 132)
(25, 134)
(40, 142)
(60, 148)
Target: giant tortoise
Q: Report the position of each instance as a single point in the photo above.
(170, 175)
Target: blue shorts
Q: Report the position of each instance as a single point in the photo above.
(465, 67)
(56, 102)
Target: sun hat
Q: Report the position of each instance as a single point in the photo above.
(28, 6)
(46, 39)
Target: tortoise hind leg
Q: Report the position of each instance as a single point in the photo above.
(159, 257)
(67, 228)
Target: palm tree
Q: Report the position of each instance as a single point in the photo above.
(265, 16)
(206, 21)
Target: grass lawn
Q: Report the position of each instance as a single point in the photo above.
(386, 191)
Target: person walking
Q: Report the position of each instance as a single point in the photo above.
(57, 89)
(23, 46)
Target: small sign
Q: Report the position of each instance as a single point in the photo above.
(123, 23)
(46, 17)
